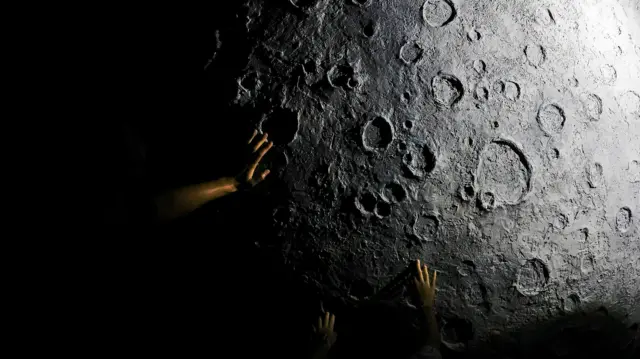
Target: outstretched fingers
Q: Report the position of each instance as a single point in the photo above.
(426, 276)
(332, 322)
(261, 154)
(419, 271)
(255, 133)
(261, 142)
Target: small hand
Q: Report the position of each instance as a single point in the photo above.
(325, 328)
(246, 178)
(425, 287)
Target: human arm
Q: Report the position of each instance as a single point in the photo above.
(180, 202)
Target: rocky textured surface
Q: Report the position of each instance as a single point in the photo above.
(497, 140)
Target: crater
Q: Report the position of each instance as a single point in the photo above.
(369, 29)
(593, 106)
(634, 171)
(419, 161)
(482, 94)
(623, 219)
(499, 87)
(402, 147)
(250, 81)
(438, 13)
(310, 67)
(554, 154)
(511, 90)
(456, 333)
(572, 81)
(545, 17)
(504, 172)
(406, 97)
(572, 303)
(609, 74)
(411, 53)
(304, 4)
(408, 124)
(595, 175)
(536, 55)
(366, 202)
(425, 227)
(362, 2)
(587, 263)
(630, 104)
(487, 201)
(281, 125)
(467, 192)
(447, 89)
(532, 277)
(551, 119)
(383, 209)
(473, 35)
(394, 192)
(339, 75)
(378, 134)
(480, 67)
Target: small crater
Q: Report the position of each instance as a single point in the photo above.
(572, 82)
(369, 29)
(250, 81)
(545, 17)
(426, 227)
(353, 83)
(487, 201)
(339, 75)
(281, 125)
(536, 55)
(456, 333)
(366, 202)
(470, 142)
(310, 67)
(402, 147)
(408, 124)
(406, 97)
(579, 236)
(630, 104)
(609, 74)
(504, 172)
(383, 209)
(595, 175)
(554, 154)
(511, 90)
(560, 221)
(532, 277)
(499, 87)
(467, 192)
(593, 106)
(572, 303)
(411, 52)
(377, 134)
(482, 94)
(623, 219)
(438, 13)
(634, 171)
(551, 119)
(473, 35)
(480, 67)
(466, 268)
(394, 192)
(419, 162)
(447, 89)
(587, 263)
(304, 4)
(496, 124)
(362, 2)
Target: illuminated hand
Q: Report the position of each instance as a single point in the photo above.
(426, 288)
(325, 329)
(259, 146)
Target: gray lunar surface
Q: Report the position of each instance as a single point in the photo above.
(498, 141)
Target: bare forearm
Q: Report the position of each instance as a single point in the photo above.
(182, 201)
(433, 334)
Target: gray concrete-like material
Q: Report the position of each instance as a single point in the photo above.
(499, 141)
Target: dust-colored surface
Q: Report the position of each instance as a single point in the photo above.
(499, 141)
